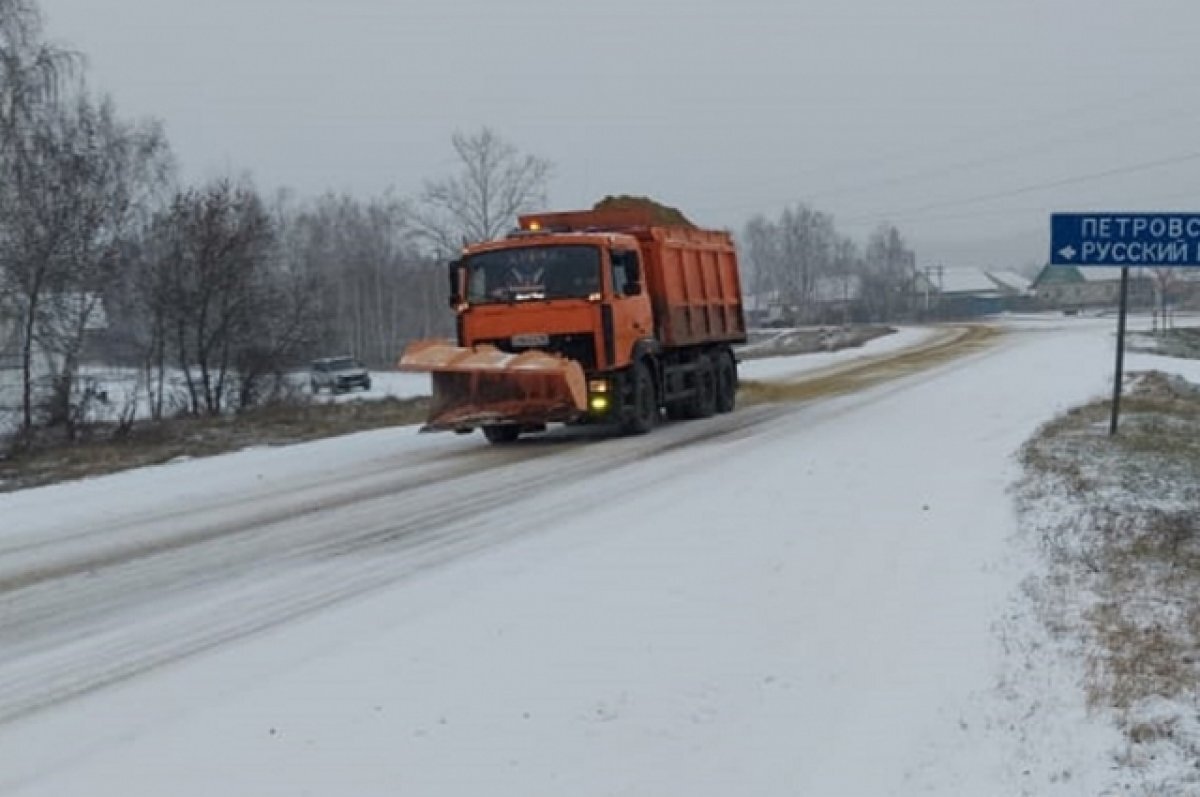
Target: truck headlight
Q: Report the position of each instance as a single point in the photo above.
(598, 386)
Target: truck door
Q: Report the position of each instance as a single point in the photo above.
(627, 305)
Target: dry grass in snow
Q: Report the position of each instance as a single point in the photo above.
(1119, 521)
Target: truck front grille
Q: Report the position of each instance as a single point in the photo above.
(578, 346)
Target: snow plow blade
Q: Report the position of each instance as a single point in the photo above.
(481, 386)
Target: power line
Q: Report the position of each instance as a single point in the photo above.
(993, 132)
(1026, 189)
(1028, 209)
(975, 163)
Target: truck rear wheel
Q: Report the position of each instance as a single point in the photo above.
(642, 413)
(679, 410)
(501, 434)
(726, 382)
(704, 403)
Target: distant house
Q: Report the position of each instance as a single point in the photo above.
(835, 299)
(1011, 283)
(936, 292)
(838, 298)
(1074, 287)
(763, 309)
(964, 291)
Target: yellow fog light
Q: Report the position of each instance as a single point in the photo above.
(599, 403)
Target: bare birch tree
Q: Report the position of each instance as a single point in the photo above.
(32, 74)
(493, 183)
(113, 172)
(788, 255)
(890, 271)
(1164, 282)
(808, 240)
(376, 290)
(763, 255)
(209, 288)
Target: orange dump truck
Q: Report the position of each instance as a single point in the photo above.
(587, 316)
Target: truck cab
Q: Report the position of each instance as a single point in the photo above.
(577, 295)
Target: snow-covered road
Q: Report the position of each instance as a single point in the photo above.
(786, 600)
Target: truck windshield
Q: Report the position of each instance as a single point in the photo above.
(533, 272)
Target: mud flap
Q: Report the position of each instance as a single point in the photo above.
(478, 386)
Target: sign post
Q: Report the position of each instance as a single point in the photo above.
(1120, 377)
(1158, 240)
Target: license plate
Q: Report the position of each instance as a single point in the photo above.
(530, 339)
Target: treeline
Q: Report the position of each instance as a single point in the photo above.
(214, 285)
(812, 273)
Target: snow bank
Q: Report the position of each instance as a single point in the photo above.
(781, 368)
(1188, 369)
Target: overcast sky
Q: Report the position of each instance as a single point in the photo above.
(945, 117)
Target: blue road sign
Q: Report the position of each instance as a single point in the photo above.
(1125, 239)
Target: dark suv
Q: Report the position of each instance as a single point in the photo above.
(339, 374)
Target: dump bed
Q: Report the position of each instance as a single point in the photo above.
(690, 274)
(692, 277)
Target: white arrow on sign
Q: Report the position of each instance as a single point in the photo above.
(1068, 252)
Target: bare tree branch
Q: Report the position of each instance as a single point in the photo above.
(494, 184)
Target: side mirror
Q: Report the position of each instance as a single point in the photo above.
(454, 272)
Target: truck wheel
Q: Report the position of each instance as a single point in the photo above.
(704, 405)
(679, 410)
(726, 382)
(642, 413)
(501, 434)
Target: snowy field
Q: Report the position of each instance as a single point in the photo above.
(122, 386)
(123, 392)
(775, 602)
